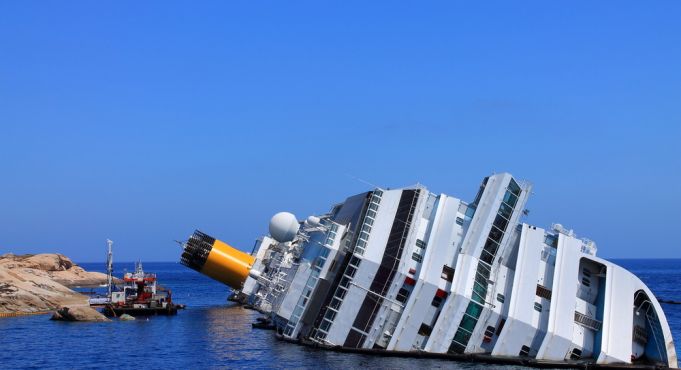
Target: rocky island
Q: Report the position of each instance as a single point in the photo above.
(33, 283)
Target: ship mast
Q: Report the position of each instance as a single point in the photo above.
(109, 267)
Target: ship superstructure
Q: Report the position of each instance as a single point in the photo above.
(410, 270)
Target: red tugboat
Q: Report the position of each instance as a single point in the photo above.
(140, 296)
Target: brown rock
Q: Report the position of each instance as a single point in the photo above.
(78, 313)
(35, 283)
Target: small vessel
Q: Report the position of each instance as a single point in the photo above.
(139, 295)
(416, 273)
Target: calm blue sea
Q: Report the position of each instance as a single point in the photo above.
(212, 333)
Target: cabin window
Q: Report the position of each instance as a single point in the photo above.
(510, 198)
(447, 273)
(514, 187)
(354, 261)
(402, 295)
(459, 221)
(496, 234)
(489, 331)
(543, 292)
(576, 354)
(326, 324)
(417, 257)
(500, 298)
(420, 243)
(524, 351)
(437, 301)
(551, 240)
(425, 330)
(537, 307)
(341, 292)
(505, 211)
(500, 222)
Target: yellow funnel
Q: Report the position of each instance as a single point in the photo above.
(217, 260)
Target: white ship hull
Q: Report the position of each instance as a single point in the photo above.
(412, 271)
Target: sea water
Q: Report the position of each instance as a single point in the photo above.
(214, 333)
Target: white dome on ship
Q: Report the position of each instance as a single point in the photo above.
(284, 227)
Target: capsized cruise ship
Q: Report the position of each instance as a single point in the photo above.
(413, 271)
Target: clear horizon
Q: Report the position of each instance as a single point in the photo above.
(143, 125)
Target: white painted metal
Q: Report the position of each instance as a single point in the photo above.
(546, 295)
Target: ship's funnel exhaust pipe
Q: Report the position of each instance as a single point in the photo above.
(217, 259)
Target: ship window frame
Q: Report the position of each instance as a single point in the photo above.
(354, 261)
(495, 232)
(425, 330)
(543, 292)
(505, 211)
(417, 257)
(436, 302)
(403, 293)
(447, 273)
(335, 303)
(500, 222)
(345, 281)
(551, 240)
(575, 354)
(510, 199)
(514, 187)
(325, 325)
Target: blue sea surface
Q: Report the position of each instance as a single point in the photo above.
(214, 333)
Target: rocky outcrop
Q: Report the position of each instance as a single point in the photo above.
(78, 313)
(54, 266)
(35, 283)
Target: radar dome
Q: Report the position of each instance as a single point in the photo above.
(284, 227)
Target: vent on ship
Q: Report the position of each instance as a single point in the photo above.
(196, 250)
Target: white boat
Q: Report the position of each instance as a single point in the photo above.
(409, 270)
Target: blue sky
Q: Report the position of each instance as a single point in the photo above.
(140, 122)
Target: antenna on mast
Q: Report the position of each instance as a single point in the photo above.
(109, 267)
(363, 181)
